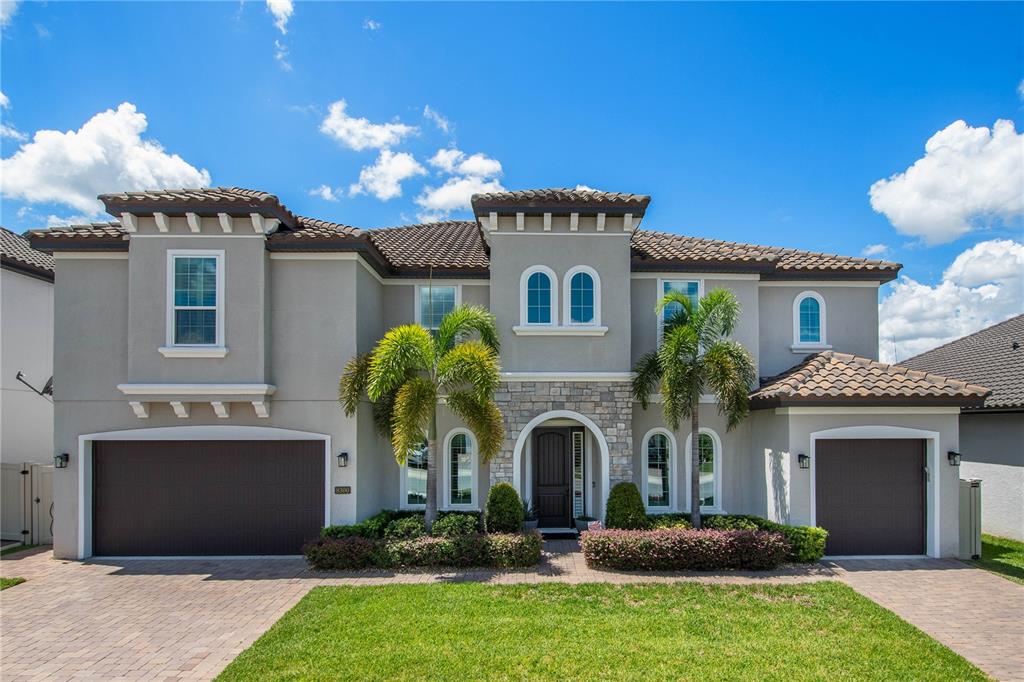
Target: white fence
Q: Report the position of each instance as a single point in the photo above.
(26, 503)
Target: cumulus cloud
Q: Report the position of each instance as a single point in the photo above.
(470, 175)
(360, 133)
(384, 178)
(967, 177)
(4, 101)
(453, 160)
(325, 192)
(874, 250)
(6, 130)
(282, 11)
(371, 25)
(106, 154)
(442, 123)
(586, 188)
(8, 8)
(982, 286)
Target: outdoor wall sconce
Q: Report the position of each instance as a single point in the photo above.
(954, 458)
(342, 459)
(804, 461)
(61, 461)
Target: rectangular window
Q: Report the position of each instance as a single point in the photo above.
(706, 448)
(690, 288)
(416, 477)
(461, 467)
(435, 303)
(658, 456)
(810, 321)
(196, 288)
(577, 474)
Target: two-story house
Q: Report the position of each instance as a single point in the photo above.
(200, 337)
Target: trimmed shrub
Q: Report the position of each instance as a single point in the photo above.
(338, 554)
(676, 549)
(504, 510)
(726, 522)
(456, 525)
(625, 509)
(408, 528)
(669, 521)
(807, 542)
(514, 550)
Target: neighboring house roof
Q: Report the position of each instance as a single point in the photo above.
(17, 254)
(993, 357)
(560, 200)
(831, 378)
(454, 245)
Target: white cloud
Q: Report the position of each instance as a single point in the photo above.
(874, 250)
(4, 101)
(453, 195)
(384, 178)
(282, 11)
(585, 188)
(12, 133)
(982, 286)
(42, 31)
(8, 8)
(106, 154)
(325, 192)
(371, 25)
(442, 123)
(446, 159)
(360, 133)
(281, 55)
(966, 177)
(455, 161)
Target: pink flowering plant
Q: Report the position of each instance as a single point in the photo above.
(680, 549)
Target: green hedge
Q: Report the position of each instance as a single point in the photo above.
(376, 526)
(512, 550)
(625, 509)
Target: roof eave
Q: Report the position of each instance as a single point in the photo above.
(637, 209)
(239, 208)
(867, 401)
(27, 269)
(71, 243)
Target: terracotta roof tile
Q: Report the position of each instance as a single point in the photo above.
(16, 251)
(993, 357)
(446, 245)
(215, 198)
(314, 229)
(830, 378)
(561, 197)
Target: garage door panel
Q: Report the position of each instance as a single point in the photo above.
(870, 495)
(206, 497)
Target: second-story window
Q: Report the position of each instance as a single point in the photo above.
(582, 296)
(434, 303)
(195, 293)
(538, 299)
(809, 322)
(689, 288)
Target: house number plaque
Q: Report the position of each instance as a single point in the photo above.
(342, 490)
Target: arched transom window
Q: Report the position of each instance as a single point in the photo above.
(659, 471)
(708, 468)
(809, 321)
(538, 299)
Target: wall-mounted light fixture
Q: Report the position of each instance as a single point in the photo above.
(804, 461)
(342, 459)
(954, 458)
(61, 461)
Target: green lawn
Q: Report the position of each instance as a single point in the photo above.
(554, 631)
(1003, 556)
(15, 548)
(10, 582)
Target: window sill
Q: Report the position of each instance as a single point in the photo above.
(552, 330)
(809, 347)
(193, 351)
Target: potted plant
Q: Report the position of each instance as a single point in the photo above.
(583, 523)
(530, 520)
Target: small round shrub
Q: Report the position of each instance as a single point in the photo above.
(625, 508)
(725, 522)
(455, 525)
(408, 528)
(340, 554)
(504, 510)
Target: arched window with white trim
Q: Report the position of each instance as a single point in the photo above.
(460, 469)
(809, 321)
(538, 296)
(414, 479)
(709, 469)
(582, 306)
(659, 470)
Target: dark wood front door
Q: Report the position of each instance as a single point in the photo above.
(870, 496)
(552, 478)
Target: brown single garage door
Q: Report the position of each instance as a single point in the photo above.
(181, 498)
(870, 496)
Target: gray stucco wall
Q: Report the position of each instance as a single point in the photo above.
(992, 445)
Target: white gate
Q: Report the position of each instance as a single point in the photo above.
(26, 503)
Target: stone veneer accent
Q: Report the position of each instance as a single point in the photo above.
(608, 403)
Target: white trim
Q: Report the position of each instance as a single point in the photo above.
(403, 486)
(195, 223)
(524, 435)
(163, 223)
(805, 348)
(601, 217)
(880, 409)
(130, 221)
(932, 483)
(493, 216)
(693, 276)
(141, 409)
(197, 389)
(547, 222)
(189, 235)
(595, 278)
(564, 234)
(221, 409)
(91, 255)
(659, 318)
(524, 280)
(193, 351)
(181, 409)
(446, 485)
(673, 471)
(416, 298)
(262, 408)
(566, 376)
(545, 330)
(218, 255)
(227, 223)
(627, 222)
(822, 283)
(822, 342)
(717, 507)
(520, 222)
(574, 222)
(84, 463)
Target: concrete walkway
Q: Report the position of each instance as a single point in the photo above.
(187, 619)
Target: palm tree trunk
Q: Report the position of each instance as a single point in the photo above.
(694, 468)
(432, 458)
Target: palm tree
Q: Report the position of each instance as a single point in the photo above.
(696, 357)
(409, 371)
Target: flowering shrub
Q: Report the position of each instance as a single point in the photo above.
(502, 550)
(674, 549)
(338, 554)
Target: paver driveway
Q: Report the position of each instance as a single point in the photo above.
(174, 619)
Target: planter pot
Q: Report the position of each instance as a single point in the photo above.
(530, 525)
(584, 524)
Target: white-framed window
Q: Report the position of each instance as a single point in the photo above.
(659, 470)
(582, 297)
(692, 288)
(414, 479)
(538, 296)
(709, 449)
(195, 303)
(809, 322)
(434, 301)
(460, 470)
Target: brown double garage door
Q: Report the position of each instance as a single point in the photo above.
(183, 498)
(870, 496)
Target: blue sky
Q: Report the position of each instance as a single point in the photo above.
(758, 123)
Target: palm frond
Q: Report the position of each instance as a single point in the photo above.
(646, 376)
(402, 352)
(464, 320)
(383, 414)
(415, 402)
(716, 316)
(483, 418)
(730, 375)
(352, 383)
(470, 364)
(680, 317)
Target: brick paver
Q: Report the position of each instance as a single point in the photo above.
(187, 619)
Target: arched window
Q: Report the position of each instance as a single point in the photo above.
(659, 471)
(583, 296)
(460, 469)
(808, 321)
(538, 296)
(709, 469)
(414, 478)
